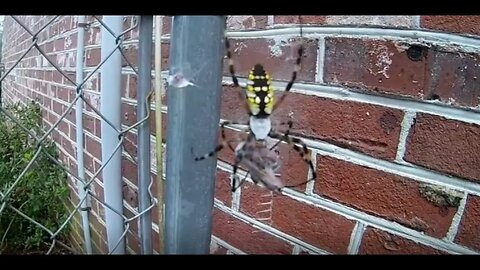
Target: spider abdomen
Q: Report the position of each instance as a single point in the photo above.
(260, 97)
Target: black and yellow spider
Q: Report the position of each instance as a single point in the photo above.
(260, 103)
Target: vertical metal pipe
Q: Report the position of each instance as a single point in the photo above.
(111, 73)
(143, 152)
(79, 128)
(196, 52)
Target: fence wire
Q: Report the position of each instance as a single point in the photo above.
(40, 139)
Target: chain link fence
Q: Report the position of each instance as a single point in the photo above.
(10, 205)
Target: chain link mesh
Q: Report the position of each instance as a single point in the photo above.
(6, 192)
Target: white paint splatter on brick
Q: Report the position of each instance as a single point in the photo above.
(61, 59)
(38, 61)
(276, 47)
(383, 60)
(45, 62)
(240, 22)
(68, 42)
(239, 47)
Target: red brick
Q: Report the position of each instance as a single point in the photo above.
(469, 226)
(454, 78)
(217, 249)
(223, 188)
(58, 107)
(131, 55)
(91, 35)
(374, 65)
(445, 145)
(132, 86)
(63, 127)
(295, 19)
(129, 170)
(130, 143)
(235, 23)
(156, 241)
(167, 25)
(367, 128)
(133, 242)
(63, 93)
(57, 76)
(93, 147)
(129, 114)
(97, 226)
(456, 24)
(311, 224)
(58, 44)
(72, 133)
(379, 242)
(382, 194)
(130, 195)
(93, 57)
(88, 162)
(257, 202)
(245, 237)
(89, 123)
(246, 53)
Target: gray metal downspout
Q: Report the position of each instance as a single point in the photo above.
(196, 51)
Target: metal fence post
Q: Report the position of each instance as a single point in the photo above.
(143, 152)
(196, 52)
(110, 106)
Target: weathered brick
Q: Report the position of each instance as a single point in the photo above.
(467, 234)
(93, 147)
(93, 36)
(382, 194)
(454, 78)
(452, 23)
(370, 129)
(374, 65)
(167, 25)
(277, 57)
(217, 249)
(308, 223)
(257, 202)
(129, 170)
(93, 57)
(445, 145)
(130, 143)
(129, 113)
(245, 237)
(375, 241)
(236, 23)
(89, 123)
(223, 188)
(295, 19)
(392, 21)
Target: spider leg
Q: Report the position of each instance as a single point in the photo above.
(231, 70)
(290, 124)
(303, 151)
(239, 155)
(296, 69)
(224, 143)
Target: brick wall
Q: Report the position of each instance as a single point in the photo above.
(390, 110)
